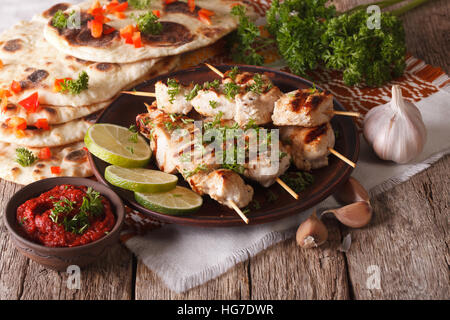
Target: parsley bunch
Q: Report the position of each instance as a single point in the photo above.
(370, 56)
(297, 26)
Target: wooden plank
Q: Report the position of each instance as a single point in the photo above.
(230, 286)
(408, 240)
(286, 271)
(20, 278)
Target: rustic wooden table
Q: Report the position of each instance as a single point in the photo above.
(408, 239)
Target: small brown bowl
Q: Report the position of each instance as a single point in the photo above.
(61, 258)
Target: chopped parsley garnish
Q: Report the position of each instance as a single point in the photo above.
(238, 168)
(258, 85)
(191, 95)
(148, 23)
(59, 20)
(91, 206)
(134, 134)
(201, 167)
(271, 197)
(211, 85)
(174, 89)
(140, 4)
(131, 149)
(231, 90)
(76, 86)
(233, 73)
(213, 104)
(25, 157)
(60, 207)
(298, 181)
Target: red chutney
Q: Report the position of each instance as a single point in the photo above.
(48, 219)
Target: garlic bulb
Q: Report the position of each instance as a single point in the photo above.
(395, 130)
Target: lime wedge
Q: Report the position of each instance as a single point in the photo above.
(175, 202)
(117, 145)
(140, 180)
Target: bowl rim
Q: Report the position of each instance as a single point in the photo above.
(119, 212)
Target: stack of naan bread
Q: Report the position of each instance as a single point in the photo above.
(35, 54)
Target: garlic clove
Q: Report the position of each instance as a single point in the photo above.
(355, 215)
(395, 130)
(351, 191)
(311, 233)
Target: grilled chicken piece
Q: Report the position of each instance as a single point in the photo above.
(179, 104)
(262, 169)
(308, 146)
(224, 186)
(210, 102)
(256, 105)
(303, 108)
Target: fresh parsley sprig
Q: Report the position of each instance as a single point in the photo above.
(25, 157)
(75, 86)
(140, 4)
(247, 41)
(148, 23)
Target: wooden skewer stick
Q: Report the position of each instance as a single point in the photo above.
(343, 158)
(140, 93)
(239, 212)
(287, 188)
(217, 71)
(347, 113)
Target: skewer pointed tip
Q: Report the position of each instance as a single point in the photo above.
(343, 158)
(239, 212)
(217, 71)
(288, 189)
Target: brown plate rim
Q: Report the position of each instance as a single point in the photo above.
(266, 216)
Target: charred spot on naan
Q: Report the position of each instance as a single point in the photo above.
(34, 79)
(173, 34)
(13, 45)
(105, 67)
(52, 10)
(77, 156)
(211, 32)
(181, 7)
(81, 61)
(11, 109)
(40, 165)
(82, 36)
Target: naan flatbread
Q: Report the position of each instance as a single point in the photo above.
(58, 135)
(182, 31)
(31, 61)
(72, 159)
(53, 114)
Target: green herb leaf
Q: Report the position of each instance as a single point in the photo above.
(247, 41)
(191, 95)
(231, 90)
(140, 4)
(174, 89)
(211, 85)
(298, 181)
(59, 20)
(148, 23)
(25, 157)
(213, 104)
(76, 86)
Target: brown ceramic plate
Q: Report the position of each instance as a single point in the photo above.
(124, 110)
